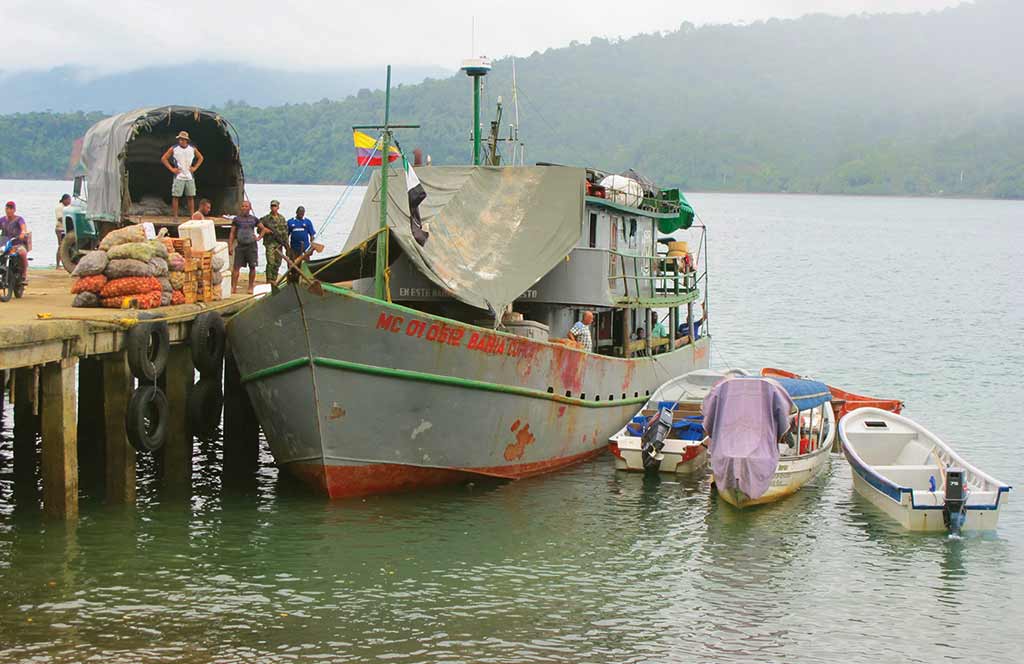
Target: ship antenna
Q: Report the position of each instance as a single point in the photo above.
(380, 276)
(517, 147)
(476, 68)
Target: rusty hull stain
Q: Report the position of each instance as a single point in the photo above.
(337, 411)
(514, 451)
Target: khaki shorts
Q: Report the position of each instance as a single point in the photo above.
(183, 188)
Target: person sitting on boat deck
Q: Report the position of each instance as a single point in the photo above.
(184, 184)
(64, 201)
(243, 231)
(204, 209)
(580, 332)
(300, 232)
(640, 335)
(683, 331)
(13, 227)
(274, 231)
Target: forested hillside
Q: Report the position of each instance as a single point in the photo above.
(891, 104)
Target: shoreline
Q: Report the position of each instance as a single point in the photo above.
(954, 197)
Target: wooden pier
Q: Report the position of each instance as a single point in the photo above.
(66, 372)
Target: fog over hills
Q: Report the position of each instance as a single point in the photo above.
(918, 104)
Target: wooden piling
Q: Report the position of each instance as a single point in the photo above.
(60, 439)
(26, 426)
(118, 452)
(241, 430)
(177, 451)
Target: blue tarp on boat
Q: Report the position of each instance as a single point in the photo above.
(805, 393)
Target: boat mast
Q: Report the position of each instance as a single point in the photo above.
(383, 236)
(476, 68)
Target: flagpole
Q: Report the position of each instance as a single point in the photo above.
(379, 280)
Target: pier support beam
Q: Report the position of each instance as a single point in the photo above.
(241, 431)
(60, 440)
(26, 426)
(177, 458)
(118, 453)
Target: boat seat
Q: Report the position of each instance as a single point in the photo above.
(914, 453)
(914, 476)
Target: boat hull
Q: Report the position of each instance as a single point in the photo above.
(680, 456)
(790, 476)
(358, 397)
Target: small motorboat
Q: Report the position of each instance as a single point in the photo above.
(842, 401)
(666, 434)
(768, 437)
(914, 477)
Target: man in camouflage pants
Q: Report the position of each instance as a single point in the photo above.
(274, 231)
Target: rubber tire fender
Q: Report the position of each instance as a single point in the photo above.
(148, 402)
(208, 340)
(203, 407)
(147, 346)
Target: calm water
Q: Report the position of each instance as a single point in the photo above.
(918, 299)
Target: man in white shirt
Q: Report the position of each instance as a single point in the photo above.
(184, 184)
(58, 213)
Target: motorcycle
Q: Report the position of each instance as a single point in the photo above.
(12, 281)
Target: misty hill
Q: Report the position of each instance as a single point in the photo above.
(916, 104)
(64, 89)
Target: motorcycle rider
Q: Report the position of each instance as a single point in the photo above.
(12, 227)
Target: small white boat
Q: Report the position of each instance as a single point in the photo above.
(800, 459)
(682, 451)
(914, 477)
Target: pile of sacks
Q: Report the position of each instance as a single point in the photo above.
(129, 272)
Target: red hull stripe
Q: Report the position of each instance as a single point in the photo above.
(367, 480)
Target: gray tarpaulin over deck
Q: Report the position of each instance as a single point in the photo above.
(494, 231)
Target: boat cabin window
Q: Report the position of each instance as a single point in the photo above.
(593, 230)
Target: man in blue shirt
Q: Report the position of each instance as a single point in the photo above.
(300, 232)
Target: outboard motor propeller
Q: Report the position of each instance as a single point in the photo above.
(653, 441)
(954, 513)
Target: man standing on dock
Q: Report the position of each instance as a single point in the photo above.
(204, 209)
(300, 232)
(58, 213)
(274, 231)
(184, 184)
(243, 231)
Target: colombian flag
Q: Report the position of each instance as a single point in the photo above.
(368, 150)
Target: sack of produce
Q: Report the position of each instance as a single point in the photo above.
(128, 267)
(133, 233)
(149, 300)
(165, 298)
(130, 286)
(159, 266)
(140, 251)
(138, 301)
(86, 299)
(177, 297)
(218, 262)
(159, 249)
(216, 278)
(94, 262)
(90, 284)
(177, 280)
(175, 262)
(165, 284)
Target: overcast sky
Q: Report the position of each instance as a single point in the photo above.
(106, 36)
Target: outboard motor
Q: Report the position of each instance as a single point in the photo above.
(653, 441)
(954, 513)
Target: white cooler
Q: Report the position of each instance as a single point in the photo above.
(201, 233)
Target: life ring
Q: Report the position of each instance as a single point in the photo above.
(147, 346)
(203, 407)
(146, 419)
(208, 340)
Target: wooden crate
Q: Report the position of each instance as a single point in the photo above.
(182, 246)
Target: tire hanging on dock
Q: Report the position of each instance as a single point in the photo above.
(208, 340)
(146, 418)
(203, 407)
(147, 346)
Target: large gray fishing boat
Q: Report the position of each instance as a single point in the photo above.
(433, 349)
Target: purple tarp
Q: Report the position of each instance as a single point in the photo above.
(745, 417)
